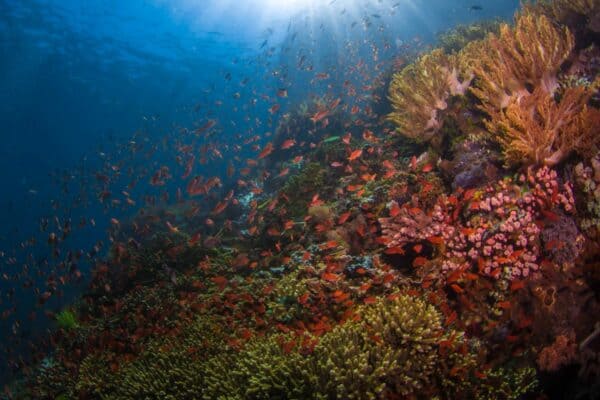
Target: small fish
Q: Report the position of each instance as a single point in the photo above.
(355, 154)
(282, 93)
(319, 116)
(475, 7)
(334, 104)
(288, 143)
(274, 108)
(268, 149)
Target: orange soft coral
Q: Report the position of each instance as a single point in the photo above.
(420, 91)
(536, 129)
(529, 56)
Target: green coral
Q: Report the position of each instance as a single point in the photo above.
(507, 384)
(95, 378)
(283, 305)
(412, 328)
(262, 370)
(66, 320)
(349, 365)
(172, 367)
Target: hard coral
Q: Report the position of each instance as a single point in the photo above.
(393, 350)
(264, 369)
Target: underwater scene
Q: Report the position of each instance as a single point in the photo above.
(300, 199)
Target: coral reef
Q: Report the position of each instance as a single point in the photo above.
(536, 129)
(458, 261)
(560, 353)
(507, 66)
(460, 36)
(587, 178)
(421, 91)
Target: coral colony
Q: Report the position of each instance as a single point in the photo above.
(361, 270)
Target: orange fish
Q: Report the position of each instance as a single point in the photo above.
(354, 110)
(334, 104)
(413, 162)
(355, 154)
(346, 138)
(220, 207)
(436, 239)
(274, 108)
(344, 217)
(220, 281)
(419, 261)
(268, 149)
(369, 300)
(288, 144)
(369, 136)
(194, 239)
(319, 116)
(395, 250)
(394, 209)
(283, 172)
(330, 277)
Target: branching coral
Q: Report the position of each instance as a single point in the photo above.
(349, 366)
(421, 90)
(536, 129)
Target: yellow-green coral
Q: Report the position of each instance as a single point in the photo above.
(169, 368)
(412, 328)
(421, 90)
(283, 305)
(262, 370)
(506, 384)
(350, 365)
(95, 379)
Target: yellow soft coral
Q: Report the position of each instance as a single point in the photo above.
(539, 130)
(510, 65)
(421, 90)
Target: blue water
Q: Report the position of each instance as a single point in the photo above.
(88, 86)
